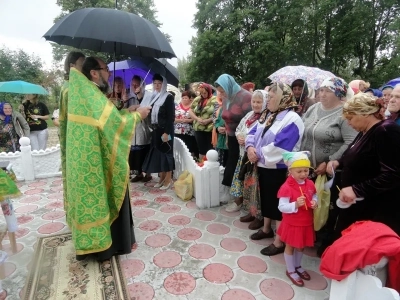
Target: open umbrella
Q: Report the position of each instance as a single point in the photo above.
(110, 31)
(145, 67)
(21, 87)
(393, 82)
(313, 76)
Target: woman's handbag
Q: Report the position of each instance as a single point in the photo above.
(321, 213)
(251, 191)
(184, 186)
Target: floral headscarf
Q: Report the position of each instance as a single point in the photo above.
(286, 102)
(7, 118)
(339, 87)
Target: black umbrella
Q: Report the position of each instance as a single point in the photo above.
(110, 31)
(171, 73)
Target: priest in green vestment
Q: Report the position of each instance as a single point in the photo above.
(97, 143)
(75, 60)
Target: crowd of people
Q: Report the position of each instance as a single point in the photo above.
(284, 135)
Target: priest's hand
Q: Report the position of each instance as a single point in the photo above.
(143, 111)
(133, 108)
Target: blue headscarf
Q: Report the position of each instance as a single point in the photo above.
(8, 118)
(230, 86)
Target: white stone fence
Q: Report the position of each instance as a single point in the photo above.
(365, 284)
(31, 165)
(206, 179)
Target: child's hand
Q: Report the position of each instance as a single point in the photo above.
(314, 204)
(300, 201)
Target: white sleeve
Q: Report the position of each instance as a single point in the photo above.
(315, 198)
(286, 206)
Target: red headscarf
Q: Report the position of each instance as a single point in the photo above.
(203, 101)
(248, 86)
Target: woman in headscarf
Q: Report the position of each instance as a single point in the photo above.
(12, 127)
(201, 111)
(220, 135)
(161, 156)
(301, 93)
(258, 105)
(236, 103)
(280, 129)
(327, 135)
(394, 104)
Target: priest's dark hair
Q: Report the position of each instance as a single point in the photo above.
(90, 63)
(71, 58)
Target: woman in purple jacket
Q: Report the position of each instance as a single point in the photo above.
(280, 130)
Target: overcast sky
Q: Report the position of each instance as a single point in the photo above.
(23, 23)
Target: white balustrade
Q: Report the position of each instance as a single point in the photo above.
(29, 165)
(364, 284)
(206, 179)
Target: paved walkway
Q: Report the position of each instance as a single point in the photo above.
(182, 252)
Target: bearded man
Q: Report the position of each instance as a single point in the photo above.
(97, 143)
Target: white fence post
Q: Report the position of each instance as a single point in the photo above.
(212, 166)
(26, 159)
(206, 180)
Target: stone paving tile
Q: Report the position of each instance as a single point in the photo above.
(182, 252)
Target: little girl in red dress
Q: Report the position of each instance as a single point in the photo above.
(297, 199)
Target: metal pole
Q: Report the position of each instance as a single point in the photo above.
(116, 4)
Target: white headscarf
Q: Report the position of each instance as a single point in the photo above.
(264, 97)
(156, 100)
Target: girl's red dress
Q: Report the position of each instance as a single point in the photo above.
(297, 229)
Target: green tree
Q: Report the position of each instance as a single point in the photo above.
(252, 39)
(19, 65)
(143, 8)
(183, 64)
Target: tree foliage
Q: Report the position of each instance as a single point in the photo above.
(183, 64)
(143, 8)
(19, 65)
(250, 39)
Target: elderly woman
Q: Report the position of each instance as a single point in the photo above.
(184, 123)
(387, 92)
(301, 93)
(236, 103)
(265, 144)
(12, 127)
(201, 111)
(258, 104)
(160, 159)
(394, 104)
(327, 135)
(370, 167)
